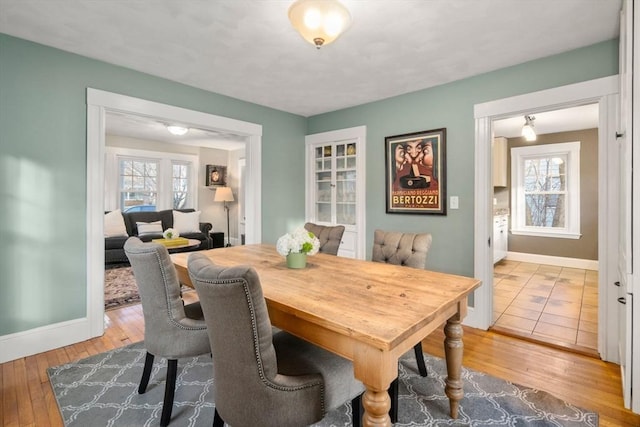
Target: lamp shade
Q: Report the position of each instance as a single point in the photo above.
(319, 21)
(223, 194)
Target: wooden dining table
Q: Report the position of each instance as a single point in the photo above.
(370, 313)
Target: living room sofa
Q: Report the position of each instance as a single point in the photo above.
(114, 245)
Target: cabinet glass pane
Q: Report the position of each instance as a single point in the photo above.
(345, 191)
(323, 165)
(318, 152)
(323, 212)
(340, 150)
(327, 150)
(346, 175)
(323, 176)
(323, 192)
(351, 162)
(351, 149)
(346, 213)
(340, 163)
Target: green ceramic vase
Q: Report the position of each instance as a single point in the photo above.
(297, 260)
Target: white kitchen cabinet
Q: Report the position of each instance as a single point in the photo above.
(499, 150)
(335, 186)
(500, 237)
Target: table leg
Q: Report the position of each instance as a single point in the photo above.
(453, 351)
(376, 406)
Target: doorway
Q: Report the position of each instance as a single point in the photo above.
(179, 162)
(545, 286)
(601, 91)
(98, 103)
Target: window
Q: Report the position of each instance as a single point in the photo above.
(137, 180)
(180, 181)
(545, 196)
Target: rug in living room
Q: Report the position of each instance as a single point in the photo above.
(102, 390)
(120, 286)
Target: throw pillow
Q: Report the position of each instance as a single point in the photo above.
(186, 222)
(149, 228)
(114, 224)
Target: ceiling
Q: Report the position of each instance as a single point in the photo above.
(247, 50)
(563, 120)
(146, 128)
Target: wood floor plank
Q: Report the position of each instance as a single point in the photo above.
(36, 393)
(25, 406)
(9, 395)
(52, 409)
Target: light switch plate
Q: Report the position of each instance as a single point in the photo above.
(453, 202)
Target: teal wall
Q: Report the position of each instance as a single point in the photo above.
(43, 166)
(451, 106)
(43, 169)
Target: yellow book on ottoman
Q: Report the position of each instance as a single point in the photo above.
(178, 241)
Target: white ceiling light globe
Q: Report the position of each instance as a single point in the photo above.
(333, 24)
(313, 19)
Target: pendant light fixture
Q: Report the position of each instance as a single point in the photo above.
(319, 21)
(527, 130)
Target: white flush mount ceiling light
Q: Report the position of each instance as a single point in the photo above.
(527, 130)
(319, 21)
(177, 130)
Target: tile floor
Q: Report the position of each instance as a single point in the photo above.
(558, 305)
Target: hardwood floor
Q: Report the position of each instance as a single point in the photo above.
(27, 398)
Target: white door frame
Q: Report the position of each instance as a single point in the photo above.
(603, 91)
(98, 103)
(242, 210)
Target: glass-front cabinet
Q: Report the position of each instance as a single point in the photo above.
(335, 183)
(333, 193)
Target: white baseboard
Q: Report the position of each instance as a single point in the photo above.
(45, 338)
(586, 264)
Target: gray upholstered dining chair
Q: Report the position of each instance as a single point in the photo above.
(329, 236)
(172, 329)
(409, 250)
(261, 378)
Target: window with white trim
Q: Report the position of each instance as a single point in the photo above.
(181, 181)
(138, 182)
(545, 190)
(149, 180)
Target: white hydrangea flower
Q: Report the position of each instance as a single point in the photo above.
(300, 240)
(171, 233)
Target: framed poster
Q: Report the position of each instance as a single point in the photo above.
(216, 175)
(415, 169)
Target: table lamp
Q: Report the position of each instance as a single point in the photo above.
(224, 194)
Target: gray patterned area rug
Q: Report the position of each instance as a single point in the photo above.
(102, 391)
